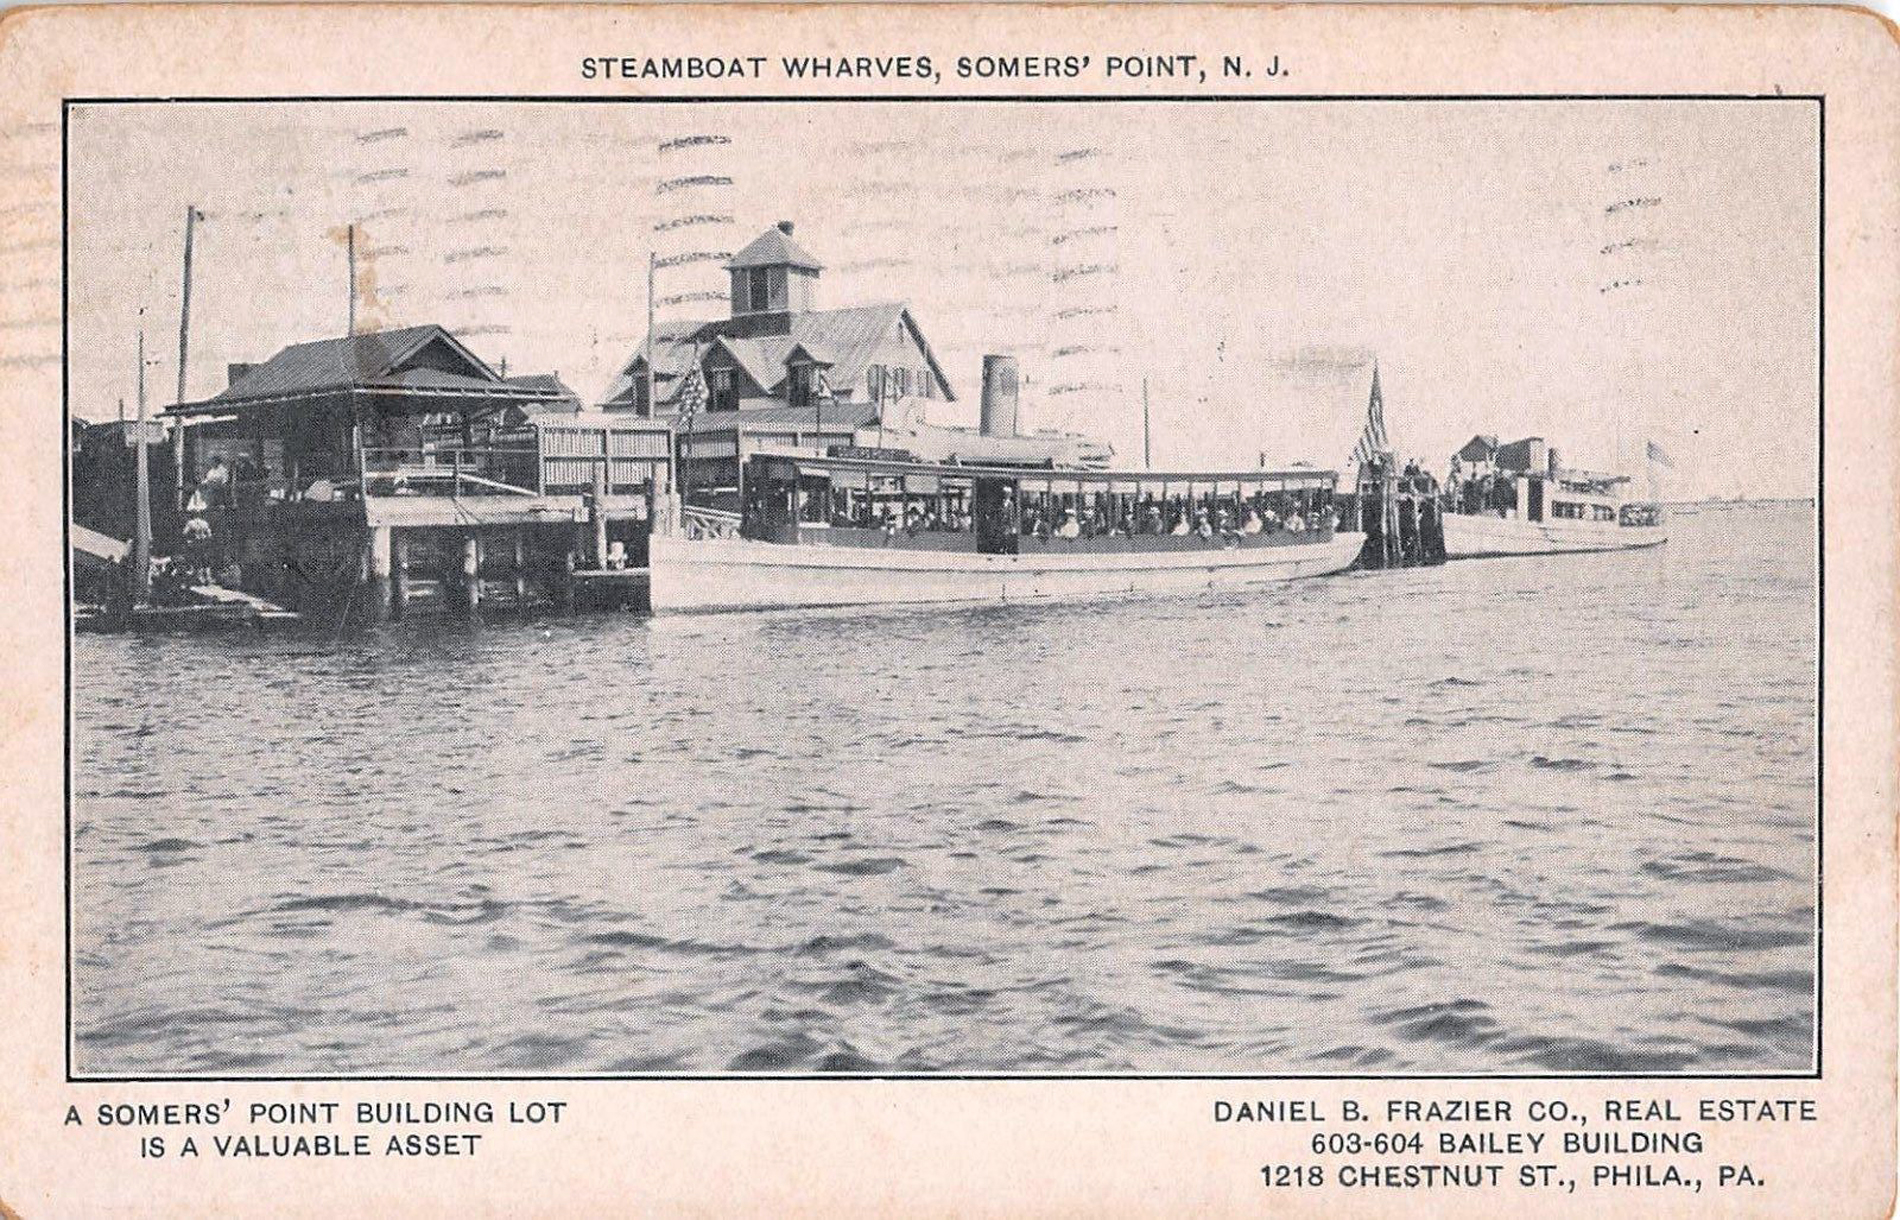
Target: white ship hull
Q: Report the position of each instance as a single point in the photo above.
(735, 574)
(1472, 537)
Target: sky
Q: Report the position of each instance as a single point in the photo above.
(1596, 273)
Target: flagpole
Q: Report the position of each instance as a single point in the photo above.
(142, 513)
(690, 389)
(880, 407)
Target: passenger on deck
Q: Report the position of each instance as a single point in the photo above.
(616, 555)
(1203, 527)
(216, 484)
(1294, 523)
(1068, 529)
(1252, 524)
(197, 556)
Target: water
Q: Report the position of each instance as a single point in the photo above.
(1510, 815)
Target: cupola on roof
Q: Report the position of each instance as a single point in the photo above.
(775, 248)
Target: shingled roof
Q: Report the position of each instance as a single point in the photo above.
(408, 359)
(832, 414)
(774, 248)
(568, 401)
(847, 339)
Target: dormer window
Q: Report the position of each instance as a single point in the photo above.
(759, 290)
(800, 382)
(721, 395)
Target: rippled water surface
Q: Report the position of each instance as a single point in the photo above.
(1510, 815)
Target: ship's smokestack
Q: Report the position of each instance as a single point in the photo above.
(999, 396)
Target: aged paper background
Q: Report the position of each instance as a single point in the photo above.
(943, 1147)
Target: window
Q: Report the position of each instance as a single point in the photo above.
(760, 290)
(903, 382)
(720, 391)
(926, 385)
(799, 383)
(874, 382)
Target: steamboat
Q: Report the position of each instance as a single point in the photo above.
(883, 528)
(1515, 499)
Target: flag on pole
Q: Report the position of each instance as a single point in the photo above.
(692, 391)
(1659, 455)
(1372, 441)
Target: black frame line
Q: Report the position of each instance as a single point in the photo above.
(1820, 501)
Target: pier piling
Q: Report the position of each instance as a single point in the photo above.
(600, 514)
(380, 567)
(471, 573)
(399, 572)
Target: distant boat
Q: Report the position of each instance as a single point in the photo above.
(1519, 501)
(883, 529)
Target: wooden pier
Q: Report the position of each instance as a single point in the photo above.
(394, 473)
(1400, 514)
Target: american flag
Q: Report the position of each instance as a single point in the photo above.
(1373, 441)
(1659, 455)
(692, 392)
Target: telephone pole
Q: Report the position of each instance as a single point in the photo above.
(652, 265)
(184, 347)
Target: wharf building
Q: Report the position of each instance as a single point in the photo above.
(781, 374)
(384, 471)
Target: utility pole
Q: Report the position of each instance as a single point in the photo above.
(652, 265)
(184, 347)
(350, 245)
(142, 532)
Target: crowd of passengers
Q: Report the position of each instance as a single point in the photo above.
(1484, 494)
(1208, 517)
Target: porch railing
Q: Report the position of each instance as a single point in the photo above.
(698, 522)
(451, 470)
